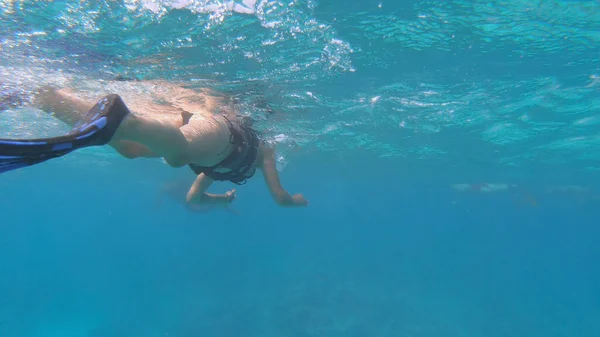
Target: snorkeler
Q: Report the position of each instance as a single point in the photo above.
(183, 129)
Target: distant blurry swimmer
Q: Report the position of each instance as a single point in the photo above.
(518, 194)
(576, 192)
(177, 191)
(183, 126)
(483, 188)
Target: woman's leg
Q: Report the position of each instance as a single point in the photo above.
(132, 150)
(63, 104)
(160, 137)
(137, 136)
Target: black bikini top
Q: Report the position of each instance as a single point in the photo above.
(239, 165)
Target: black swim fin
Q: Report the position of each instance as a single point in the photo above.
(95, 129)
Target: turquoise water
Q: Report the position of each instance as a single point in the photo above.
(380, 110)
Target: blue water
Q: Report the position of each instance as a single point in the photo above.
(379, 110)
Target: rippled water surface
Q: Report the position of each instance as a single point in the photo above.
(467, 83)
(472, 84)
